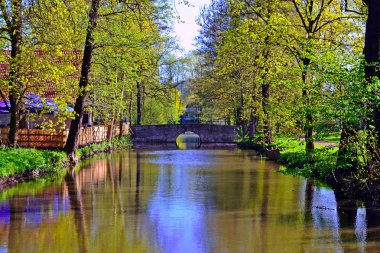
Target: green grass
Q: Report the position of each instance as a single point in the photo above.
(18, 161)
(329, 137)
(21, 160)
(293, 157)
(117, 143)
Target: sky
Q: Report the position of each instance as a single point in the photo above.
(188, 30)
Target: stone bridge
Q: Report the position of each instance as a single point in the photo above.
(168, 133)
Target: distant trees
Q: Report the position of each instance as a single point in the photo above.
(273, 64)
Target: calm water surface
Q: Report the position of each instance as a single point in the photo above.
(181, 201)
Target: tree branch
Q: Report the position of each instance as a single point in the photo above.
(346, 9)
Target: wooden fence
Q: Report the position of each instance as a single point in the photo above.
(56, 139)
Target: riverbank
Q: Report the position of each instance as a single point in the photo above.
(17, 165)
(293, 157)
(21, 164)
(290, 152)
(358, 184)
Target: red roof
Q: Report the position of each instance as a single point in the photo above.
(50, 86)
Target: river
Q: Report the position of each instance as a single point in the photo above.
(179, 201)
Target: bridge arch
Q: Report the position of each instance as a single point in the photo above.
(168, 133)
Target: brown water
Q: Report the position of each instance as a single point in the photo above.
(181, 201)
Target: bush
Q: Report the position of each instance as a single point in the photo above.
(22, 160)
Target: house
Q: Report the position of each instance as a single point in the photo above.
(38, 109)
(191, 114)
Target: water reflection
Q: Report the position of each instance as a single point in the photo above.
(361, 228)
(76, 203)
(188, 140)
(182, 201)
(177, 216)
(326, 220)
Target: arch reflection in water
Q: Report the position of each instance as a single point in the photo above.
(188, 140)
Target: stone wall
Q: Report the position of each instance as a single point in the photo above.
(169, 133)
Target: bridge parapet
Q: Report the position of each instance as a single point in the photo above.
(168, 133)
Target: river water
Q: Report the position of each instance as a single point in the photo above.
(181, 201)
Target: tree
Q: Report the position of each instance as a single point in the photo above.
(38, 58)
(72, 139)
(125, 40)
(12, 29)
(317, 26)
(372, 57)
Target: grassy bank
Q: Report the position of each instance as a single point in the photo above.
(105, 146)
(293, 157)
(21, 160)
(293, 154)
(19, 164)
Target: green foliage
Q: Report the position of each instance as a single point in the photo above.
(117, 143)
(294, 158)
(22, 160)
(333, 137)
(134, 46)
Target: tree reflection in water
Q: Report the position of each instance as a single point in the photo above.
(76, 203)
(182, 201)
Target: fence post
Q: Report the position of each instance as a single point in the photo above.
(109, 132)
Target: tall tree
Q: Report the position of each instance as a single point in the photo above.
(317, 25)
(372, 56)
(72, 139)
(12, 17)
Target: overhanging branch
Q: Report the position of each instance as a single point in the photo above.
(346, 8)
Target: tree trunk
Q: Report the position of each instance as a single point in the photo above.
(252, 127)
(15, 85)
(130, 109)
(265, 104)
(138, 103)
(309, 128)
(347, 154)
(372, 54)
(265, 93)
(72, 139)
(111, 129)
(309, 120)
(14, 122)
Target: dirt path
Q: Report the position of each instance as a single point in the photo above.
(326, 143)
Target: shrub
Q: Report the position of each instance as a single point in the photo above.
(22, 160)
